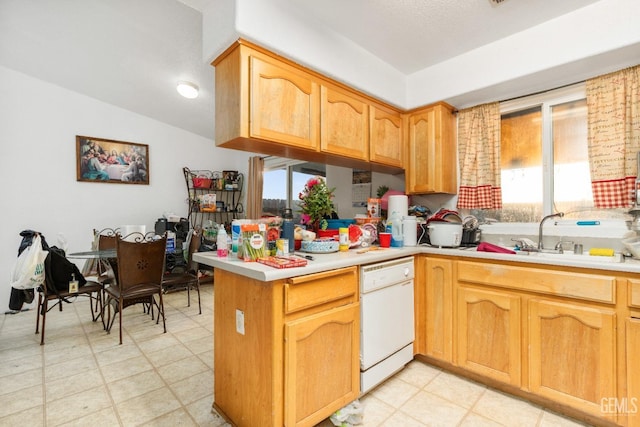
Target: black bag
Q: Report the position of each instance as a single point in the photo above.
(60, 271)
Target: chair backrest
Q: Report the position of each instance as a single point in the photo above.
(140, 262)
(194, 245)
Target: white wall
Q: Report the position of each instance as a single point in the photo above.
(38, 175)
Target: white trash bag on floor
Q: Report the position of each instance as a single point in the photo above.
(348, 416)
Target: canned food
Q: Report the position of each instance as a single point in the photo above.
(282, 247)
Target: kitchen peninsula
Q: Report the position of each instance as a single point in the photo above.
(286, 341)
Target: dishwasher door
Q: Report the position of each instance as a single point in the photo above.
(386, 323)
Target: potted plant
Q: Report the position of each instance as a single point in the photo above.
(316, 203)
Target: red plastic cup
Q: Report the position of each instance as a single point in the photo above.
(385, 239)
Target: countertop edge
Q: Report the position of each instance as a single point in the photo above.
(326, 262)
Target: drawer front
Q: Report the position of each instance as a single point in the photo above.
(634, 293)
(322, 288)
(592, 287)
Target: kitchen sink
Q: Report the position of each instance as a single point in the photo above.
(571, 256)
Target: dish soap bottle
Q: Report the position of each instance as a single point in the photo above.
(221, 242)
(396, 231)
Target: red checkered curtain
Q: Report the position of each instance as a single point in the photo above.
(479, 157)
(613, 116)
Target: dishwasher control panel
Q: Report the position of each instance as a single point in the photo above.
(380, 275)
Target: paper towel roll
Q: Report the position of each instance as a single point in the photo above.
(126, 230)
(398, 204)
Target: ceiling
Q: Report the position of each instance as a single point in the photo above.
(131, 54)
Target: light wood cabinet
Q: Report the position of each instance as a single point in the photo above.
(572, 354)
(268, 104)
(286, 352)
(488, 334)
(259, 97)
(564, 336)
(284, 103)
(344, 122)
(320, 352)
(387, 137)
(432, 154)
(631, 404)
(439, 308)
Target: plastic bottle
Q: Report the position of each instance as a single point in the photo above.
(343, 234)
(235, 235)
(396, 231)
(287, 228)
(221, 242)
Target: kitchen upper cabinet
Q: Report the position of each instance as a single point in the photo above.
(572, 354)
(431, 165)
(386, 142)
(488, 334)
(344, 122)
(261, 98)
(268, 104)
(283, 105)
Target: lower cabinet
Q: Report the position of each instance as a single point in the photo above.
(572, 354)
(322, 364)
(631, 404)
(568, 336)
(286, 352)
(488, 334)
(439, 308)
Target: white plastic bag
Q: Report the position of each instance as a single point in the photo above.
(28, 271)
(348, 416)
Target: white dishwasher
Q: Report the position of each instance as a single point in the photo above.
(386, 320)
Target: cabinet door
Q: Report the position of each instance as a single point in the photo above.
(489, 334)
(632, 404)
(439, 308)
(344, 124)
(284, 104)
(432, 152)
(386, 141)
(572, 354)
(322, 371)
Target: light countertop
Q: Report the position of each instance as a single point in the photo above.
(332, 261)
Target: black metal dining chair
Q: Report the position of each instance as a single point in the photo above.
(188, 278)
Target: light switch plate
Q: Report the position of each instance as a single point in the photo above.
(240, 321)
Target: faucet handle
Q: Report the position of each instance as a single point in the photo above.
(560, 243)
(525, 244)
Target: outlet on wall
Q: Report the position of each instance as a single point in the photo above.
(240, 321)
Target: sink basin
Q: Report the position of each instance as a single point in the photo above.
(570, 256)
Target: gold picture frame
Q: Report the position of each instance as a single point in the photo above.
(111, 161)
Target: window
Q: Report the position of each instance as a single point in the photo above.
(283, 180)
(544, 159)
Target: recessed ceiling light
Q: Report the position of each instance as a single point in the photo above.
(187, 89)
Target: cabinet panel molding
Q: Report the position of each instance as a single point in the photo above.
(572, 353)
(488, 334)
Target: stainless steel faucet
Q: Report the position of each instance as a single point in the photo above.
(540, 245)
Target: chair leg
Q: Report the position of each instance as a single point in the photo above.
(121, 307)
(161, 312)
(198, 289)
(38, 312)
(45, 304)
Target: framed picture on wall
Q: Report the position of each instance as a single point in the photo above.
(106, 160)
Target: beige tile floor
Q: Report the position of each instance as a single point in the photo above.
(82, 377)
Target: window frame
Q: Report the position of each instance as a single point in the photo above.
(546, 101)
